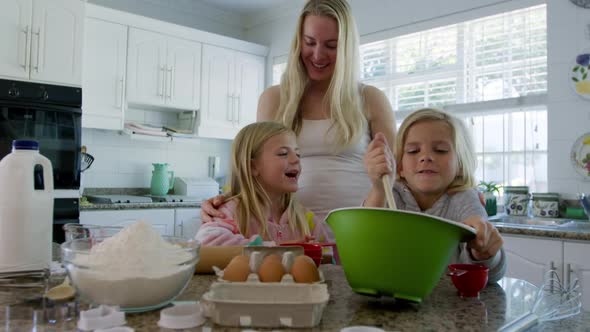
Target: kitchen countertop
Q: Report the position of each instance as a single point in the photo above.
(443, 310)
(135, 206)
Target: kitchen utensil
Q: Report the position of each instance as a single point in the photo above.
(394, 253)
(101, 318)
(585, 202)
(182, 316)
(469, 279)
(62, 292)
(87, 160)
(162, 180)
(554, 301)
(388, 192)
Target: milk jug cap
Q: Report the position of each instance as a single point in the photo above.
(23, 144)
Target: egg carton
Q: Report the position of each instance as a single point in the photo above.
(257, 255)
(265, 305)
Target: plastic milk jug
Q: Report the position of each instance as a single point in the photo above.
(26, 208)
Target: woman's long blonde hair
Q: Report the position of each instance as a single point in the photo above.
(253, 201)
(462, 144)
(343, 94)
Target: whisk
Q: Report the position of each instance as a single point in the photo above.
(87, 160)
(552, 302)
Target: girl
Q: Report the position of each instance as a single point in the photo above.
(262, 204)
(435, 165)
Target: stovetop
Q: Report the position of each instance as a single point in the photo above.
(130, 199)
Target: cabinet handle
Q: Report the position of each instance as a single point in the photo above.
(122, 85)
(568, 275)
(239, 109)
(171, 81)
(551, 268)
(230, 106)
(26, 32)
(38, 34)
(161, 74)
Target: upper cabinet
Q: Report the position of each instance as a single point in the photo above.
(232, 82)
(163, 71)
(42, 40)
(105, 58)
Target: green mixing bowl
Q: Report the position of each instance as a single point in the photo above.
(394, 253)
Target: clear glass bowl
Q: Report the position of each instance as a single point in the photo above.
(135, 284)
(80, 231)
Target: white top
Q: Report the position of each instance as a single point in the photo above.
(329, 179)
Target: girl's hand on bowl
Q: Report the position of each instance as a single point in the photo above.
(488, 240)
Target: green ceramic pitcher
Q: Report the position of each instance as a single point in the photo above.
(162, 180)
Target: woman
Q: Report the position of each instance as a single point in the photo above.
(322, 100)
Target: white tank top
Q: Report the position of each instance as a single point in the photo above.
(330, 180)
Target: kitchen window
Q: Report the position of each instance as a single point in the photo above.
(491, 72)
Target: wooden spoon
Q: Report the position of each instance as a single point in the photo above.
(388, 192)
(61, 292)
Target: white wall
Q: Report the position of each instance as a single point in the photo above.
(182, 12)
(122, 162)
(569, 115)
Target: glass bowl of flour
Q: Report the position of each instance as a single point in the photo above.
(136, 269)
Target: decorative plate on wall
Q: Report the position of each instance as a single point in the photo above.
(581, 3)
(580, 155)
(580, 75)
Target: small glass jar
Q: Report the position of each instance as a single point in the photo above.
(516, 199)
(545, 205)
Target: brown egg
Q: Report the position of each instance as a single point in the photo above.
(238, 269)
(304, 270)
(271, 269)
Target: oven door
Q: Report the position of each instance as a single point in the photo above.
(56, 128)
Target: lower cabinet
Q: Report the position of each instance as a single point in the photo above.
(161, 219)
(530, 258)
(187, 222)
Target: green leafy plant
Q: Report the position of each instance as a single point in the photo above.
(489, 187)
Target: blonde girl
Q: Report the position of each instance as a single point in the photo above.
(435, 175)
(262, 204)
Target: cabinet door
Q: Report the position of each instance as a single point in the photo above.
(56, 48)
(105, 56)
(187, 222)
(575, 256)
(161, 219)
(146, 83)
(249, 86)
(217, 92)
(530, 258)
(15, 36)
(183, 74)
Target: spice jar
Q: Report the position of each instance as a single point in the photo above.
(516, 200)
(544, 205)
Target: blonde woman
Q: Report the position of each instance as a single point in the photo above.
(262, 206)
(333, 115)
(435, 175)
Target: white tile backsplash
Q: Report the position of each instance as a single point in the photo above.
(121, 161)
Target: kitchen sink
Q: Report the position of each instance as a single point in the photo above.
(545, 223)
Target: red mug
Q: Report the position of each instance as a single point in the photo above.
(469, 279)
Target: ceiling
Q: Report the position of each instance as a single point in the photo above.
(244, 7)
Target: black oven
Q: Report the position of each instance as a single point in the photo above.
(51, 115)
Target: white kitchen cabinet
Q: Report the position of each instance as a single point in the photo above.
(232, 81)
(577, 264)
(103, 83)
(187, 222)
(161, 219)
(163, 71)
(530, 258)
(42, 40)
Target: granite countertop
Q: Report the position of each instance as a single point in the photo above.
(557, 228)
(443, 310)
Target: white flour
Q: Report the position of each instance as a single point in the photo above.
(134, 268)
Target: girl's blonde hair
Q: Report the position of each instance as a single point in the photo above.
(343, 94)
(462, 144)
(252, 199)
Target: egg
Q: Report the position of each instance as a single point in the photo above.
(304, 270)
(238, 269)
(271, 269)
